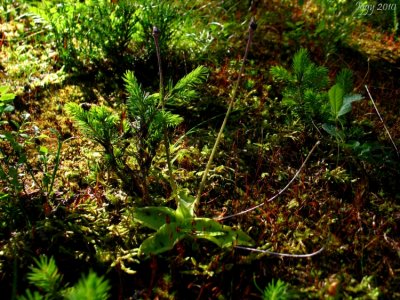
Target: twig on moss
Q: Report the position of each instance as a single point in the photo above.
(384, 125)
(281, 254)
(276, 195)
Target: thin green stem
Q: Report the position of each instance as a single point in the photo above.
(156, 36)
(252, 27)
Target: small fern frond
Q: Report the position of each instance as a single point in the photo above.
(278, 290)
(171, 120)
(132, 86)
(315, 77)
(185, 87)
(90, 287)
(31, 296)
(45, 276)
(162, 118)
(301, 61)
(98, 123)
(193, 79)
(279, 73)
(141, 106)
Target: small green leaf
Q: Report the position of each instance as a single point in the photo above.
(191, 80)
(347, 101)
(46, 180)
(43, 150)
(8, 108)
(333, 131)
(42, 136)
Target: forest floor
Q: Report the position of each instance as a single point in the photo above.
(346, 200)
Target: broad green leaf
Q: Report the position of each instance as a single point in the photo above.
(347, 101)
(221, 235)
(336, 99)
(163, 240)
(154, 217)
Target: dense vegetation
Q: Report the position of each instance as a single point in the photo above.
(199, 149)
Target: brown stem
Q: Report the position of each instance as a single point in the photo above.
(156, 36)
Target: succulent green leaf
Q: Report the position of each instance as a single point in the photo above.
(221, 235)
(163, 240)
(154, 217)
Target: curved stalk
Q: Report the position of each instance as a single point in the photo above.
(252, 28)
(276, 195)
